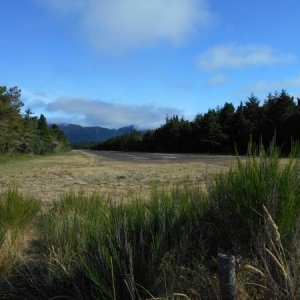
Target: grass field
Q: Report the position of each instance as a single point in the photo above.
(84, 227)
(50, 177)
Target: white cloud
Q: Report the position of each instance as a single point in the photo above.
(269, 86)
(217, 80)
(107, 114)
(123, 25)
(34, 100)
(228, 56)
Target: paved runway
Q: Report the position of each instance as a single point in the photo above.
(161, 157)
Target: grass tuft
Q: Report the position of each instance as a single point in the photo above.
(16, 215)
(239, 196)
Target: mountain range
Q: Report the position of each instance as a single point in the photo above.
(77, 134)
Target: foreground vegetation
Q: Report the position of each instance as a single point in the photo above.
(16, 216)
(87, 247)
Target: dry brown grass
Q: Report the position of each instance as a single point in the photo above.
(13, 250)
(53, 176)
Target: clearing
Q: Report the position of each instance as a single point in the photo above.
(116, 175)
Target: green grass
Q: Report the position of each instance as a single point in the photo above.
(238, 196)
(8, 158)
(16, 215)
(118, 250)
(93, 248)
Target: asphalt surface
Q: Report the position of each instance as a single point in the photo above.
(161, 157)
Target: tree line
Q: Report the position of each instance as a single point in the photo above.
(23, 132)
(226, 129)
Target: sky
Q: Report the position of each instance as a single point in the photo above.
(115, 63)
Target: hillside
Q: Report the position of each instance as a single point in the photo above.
(79, 134)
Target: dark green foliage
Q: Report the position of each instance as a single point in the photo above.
(222, 130)
(209, 136)
(10, 121)
(84, 145)
(125, 142)
(24, 133)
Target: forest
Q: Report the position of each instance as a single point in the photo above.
(24, 132)
(226, 129)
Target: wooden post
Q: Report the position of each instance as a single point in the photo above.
(226, 265)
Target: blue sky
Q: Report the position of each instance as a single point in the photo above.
(121, 62)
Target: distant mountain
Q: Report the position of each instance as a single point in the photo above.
(79, 134)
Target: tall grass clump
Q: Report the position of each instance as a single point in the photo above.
(256, 216)
(17, 213)
(97, 249)
(263, 179)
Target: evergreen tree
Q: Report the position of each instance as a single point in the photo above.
(210, 136)
(10, 121)
(24, 132)
(226, 119)
(279, 110)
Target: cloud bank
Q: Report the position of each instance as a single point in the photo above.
(228, 56)
(113, 115)
(124, 25)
